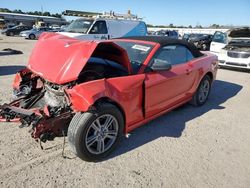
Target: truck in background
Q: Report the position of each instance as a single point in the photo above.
(96, 26)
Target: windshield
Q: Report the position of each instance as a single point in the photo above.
(79, 26)
(220, 37)
(137, 53)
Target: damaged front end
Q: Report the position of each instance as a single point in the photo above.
(61, 81)
(38, 104)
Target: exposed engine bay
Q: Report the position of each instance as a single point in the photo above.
(239, 45)
(45, 106)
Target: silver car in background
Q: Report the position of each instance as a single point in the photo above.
(35, 32)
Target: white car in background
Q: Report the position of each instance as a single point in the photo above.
(219, 41)
(237, 52)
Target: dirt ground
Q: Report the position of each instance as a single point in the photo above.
(189, 147)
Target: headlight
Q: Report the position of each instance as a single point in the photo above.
(224, 52)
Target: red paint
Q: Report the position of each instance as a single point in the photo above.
(163, 91)
(126, 91)
(142, 97)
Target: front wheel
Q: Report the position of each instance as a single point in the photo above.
(94, 135)
(32, 36)
(201, 95)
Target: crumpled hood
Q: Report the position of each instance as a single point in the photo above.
(60, 59)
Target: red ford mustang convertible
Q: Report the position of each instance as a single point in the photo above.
(96, 91)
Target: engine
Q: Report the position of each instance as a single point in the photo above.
(54, 96)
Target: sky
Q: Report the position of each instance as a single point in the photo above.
(156, 12)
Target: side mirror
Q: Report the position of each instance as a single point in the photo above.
(161, 65)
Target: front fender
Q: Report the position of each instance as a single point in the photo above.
(127, 91)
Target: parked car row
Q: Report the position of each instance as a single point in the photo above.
(231, 47)
(235, 51)
(27, 31)
(36, 32)
(15, 30)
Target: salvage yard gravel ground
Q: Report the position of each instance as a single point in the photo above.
(188, 147)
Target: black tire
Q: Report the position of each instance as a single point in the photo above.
(11, 34)
(82, 124)
(32, 36)
(197, 100)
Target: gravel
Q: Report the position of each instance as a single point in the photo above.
(207, 146)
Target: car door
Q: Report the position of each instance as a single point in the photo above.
(164, 89)
(219, 41)
(99, 30)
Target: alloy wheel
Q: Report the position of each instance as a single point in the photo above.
(204, 91)
(102, 134)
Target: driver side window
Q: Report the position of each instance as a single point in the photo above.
(99, 27)
(174, 54)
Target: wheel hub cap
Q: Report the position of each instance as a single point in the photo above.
(101, 134)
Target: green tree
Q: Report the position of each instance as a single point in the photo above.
(171, 25)
(4, 10)
(46, 14)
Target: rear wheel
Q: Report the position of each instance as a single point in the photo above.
(94, 135)
(202, 92)
(32, 36)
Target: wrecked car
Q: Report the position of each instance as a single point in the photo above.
(237, 52)
(96, 91)
(201, 41)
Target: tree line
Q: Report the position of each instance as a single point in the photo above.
(38, 13)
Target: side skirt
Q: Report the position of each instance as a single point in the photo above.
(136, 125)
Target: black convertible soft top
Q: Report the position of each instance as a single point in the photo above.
(163, 41)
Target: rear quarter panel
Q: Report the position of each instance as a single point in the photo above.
(208, 63)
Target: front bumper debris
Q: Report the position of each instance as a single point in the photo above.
(26, 117)
(43, 127)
